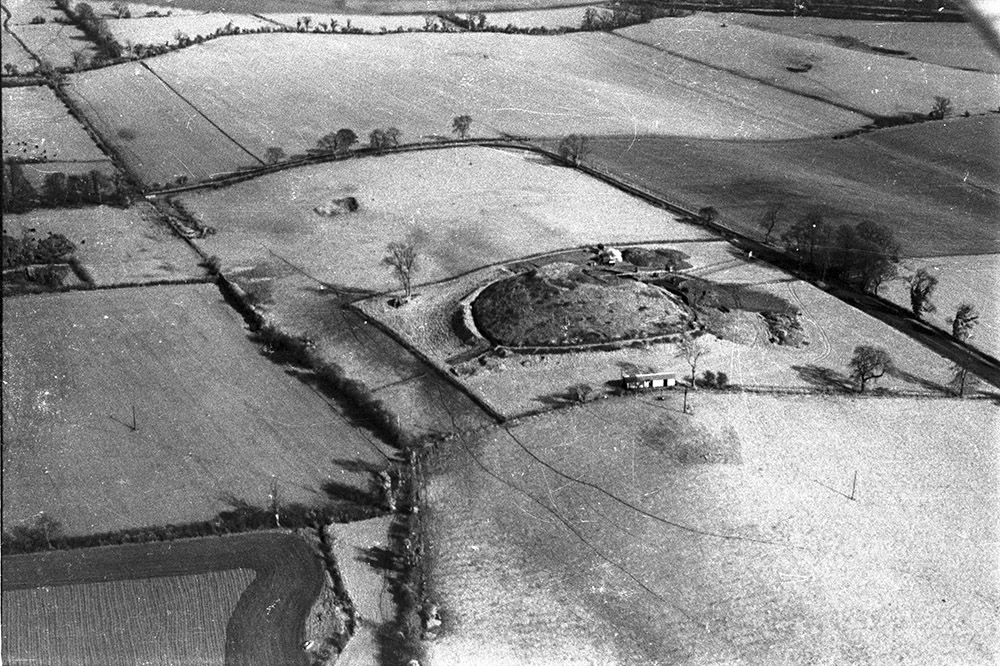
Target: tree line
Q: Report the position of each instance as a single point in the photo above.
(59, 189)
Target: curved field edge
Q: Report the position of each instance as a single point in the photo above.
(268, 624)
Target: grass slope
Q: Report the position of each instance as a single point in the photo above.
(920, 180)
(632, 534)
(75, 364)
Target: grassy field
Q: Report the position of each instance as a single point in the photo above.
(115, 245)
(370, 6)
(872, 84)
(55, 43)
(592, 83)
(367, 22)
(629, 533)
(22, 11)
(962, 279)
(955, 45)
(234, 600)
(37, 125)
(515, 205)
(76, 364)
(938, 201)
(163, 29)
(14, 54)
(158, 135)
(563, 17)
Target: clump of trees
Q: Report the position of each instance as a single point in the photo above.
(574, 148)
(380, 139)
(869, 364)
(461, 125)
(338, 142)
(718, 380)
(922, 286)
(59, 189)
(27, 251)
(95, 27)
(865, 255)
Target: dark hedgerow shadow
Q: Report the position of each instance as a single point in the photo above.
(824, 378)
(919, 381)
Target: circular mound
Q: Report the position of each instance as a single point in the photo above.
(564, 304)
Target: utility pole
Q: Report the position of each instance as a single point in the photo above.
(854, 485)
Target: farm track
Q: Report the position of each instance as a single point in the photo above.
(268, 623)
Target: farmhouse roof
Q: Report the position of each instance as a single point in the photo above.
(640, 376)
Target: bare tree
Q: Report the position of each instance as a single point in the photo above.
(121, 10)
(692, 349)
(460, 125)
(402, 259)
(961, 379)
(376, 140)
(769, 220)
(964, 321)
(941, 108)
(868, 364)
(574, 148)
(922, 285)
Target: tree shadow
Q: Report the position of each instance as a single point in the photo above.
(573, 395)
(824, 378)
(357, 466)
(345, 492)
(919, 381)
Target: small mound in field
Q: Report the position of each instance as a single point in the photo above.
(565, 304)
(660, 259)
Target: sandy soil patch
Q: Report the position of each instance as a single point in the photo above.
(956, 45)
(582, 537)
(470, 207)
(75, 364)
(872, 84)
(115, 245)
(961, 279)
(164, 29)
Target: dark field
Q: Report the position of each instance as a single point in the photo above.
(937, 185)
(265, 628)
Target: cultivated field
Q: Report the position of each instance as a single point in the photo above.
(955, 45)
(55, 43)
(37, 126)
(14, 54)
(938, 200)
(587, 82)
(115, 245)
(521, 384)
(164, 29)
(468, 206)
(871, 84)
(234, 600)
(157, 134)
(629, 533)
(75, 365)
(962, 279)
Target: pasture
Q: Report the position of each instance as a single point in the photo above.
(22, 11)
(38, 126)
(956, 45)
(75, 366)
(629, 533)
(592, 83)
(875, 85)
(373, 23)
(234, 600)
(920, 180)
(158, 135)
(13, 54)
(115, 245)
(55, 43)
(509, 204)
(387, 7)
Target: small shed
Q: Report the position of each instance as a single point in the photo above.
(639, 381)
(609, 255)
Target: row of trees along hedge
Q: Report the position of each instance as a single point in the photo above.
(59, 189)
(94, 26)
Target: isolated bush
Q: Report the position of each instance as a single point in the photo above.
(721, 380)
(37, 20)
(941, 108)
(273, 155)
